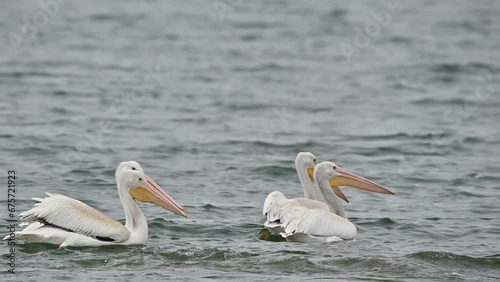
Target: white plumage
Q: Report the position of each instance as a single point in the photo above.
(276, 202)
(64, 221)
(300, 222)
(69, 214)
(277, 206)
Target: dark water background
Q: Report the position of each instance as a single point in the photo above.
(215, 99)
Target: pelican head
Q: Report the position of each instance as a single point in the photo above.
(337, 176)
(142, 188)
(130, 165)
(307, 161)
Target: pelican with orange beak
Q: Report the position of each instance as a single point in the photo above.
(64, 221)
(276, 204)
(302, 224)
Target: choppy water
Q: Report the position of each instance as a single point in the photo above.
(215, 100)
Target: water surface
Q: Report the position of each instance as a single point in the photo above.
(215, 106)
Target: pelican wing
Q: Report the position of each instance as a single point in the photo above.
(276, 212)
(270, 202)
(74, 216)
(318, 223)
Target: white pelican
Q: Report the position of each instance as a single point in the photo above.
(302, 224)
(276, 203)
(64, 221)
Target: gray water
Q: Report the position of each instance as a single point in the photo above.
(215, 99)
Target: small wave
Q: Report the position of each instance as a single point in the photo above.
(295, 252)
(468, 194)
(400, 136)
(60, 93)
(379, 151)
(299, 264)
(205, 254)
(35, 150)
(476, 27)
(401, 39)
(253, 25)
(263, 67)
(338, 13)
(451, 258)
(33, 248)
(178, 229)
(168, 149)
(20, 74)
(447, 68)
(247, 106)
(387, 222)
(434, 101)
(203, 78)
(482, 176)
(295, 146)
(473, 140)
(273, 170)
(452, 72)
(456, 68)
(250, 37)
(102, 17)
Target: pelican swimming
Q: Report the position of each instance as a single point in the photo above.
(276, 202)
(302, 224)
(64, 221)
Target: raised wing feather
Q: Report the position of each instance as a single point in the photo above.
(73, 215)
(276, 211)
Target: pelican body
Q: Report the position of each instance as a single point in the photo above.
(302, 224)
(276, 204)
(64, 221)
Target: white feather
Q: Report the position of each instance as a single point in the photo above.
(276, 203)
(317, 223)
(276, 206)
(72, 216)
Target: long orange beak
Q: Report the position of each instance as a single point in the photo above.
(350, 179)
(339, 193)
(153, 193)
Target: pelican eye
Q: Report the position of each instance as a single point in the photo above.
(140, 179)
(133, 168)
